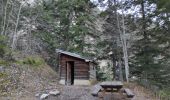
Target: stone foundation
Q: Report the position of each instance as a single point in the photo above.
(77, 82)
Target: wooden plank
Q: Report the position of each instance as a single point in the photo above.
(115, 83)
(82, 78)
(82, 70)
(129, 93)
(79, 77)
(96, 89)
(81, 73)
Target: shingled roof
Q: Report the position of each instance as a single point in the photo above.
(73, 55)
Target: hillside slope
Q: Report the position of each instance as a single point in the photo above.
(19, 80)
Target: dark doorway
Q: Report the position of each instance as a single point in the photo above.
(69, 72)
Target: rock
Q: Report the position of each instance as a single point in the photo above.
(44, 96)
(2, 69)
(54, 92)
(37, 95)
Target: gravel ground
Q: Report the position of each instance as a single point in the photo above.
(74, 93)
(84, 93)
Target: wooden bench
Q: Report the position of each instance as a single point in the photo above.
(96, 89)
(129, 93)
(112, 85)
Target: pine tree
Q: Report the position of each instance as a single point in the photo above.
(69, 22)
(151, 49)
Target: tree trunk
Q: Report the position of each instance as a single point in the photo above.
(10, 14)
(118, 69)
(145, 35)
(124, 44)
(5, 17)
(15, 32)
(143, 19)
(125, 53)
(2, 11)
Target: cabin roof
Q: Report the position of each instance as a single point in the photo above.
(73, 55)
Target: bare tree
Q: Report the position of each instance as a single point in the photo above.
(123, 40)
(5, 17)
(9, 18)
(14, 37)
(124, 44)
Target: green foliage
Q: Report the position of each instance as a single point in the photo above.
(32, 61)
(105, 73)
(100, 75)
(151, 53)
(4, 62)
(3, 45)
(3, 74)
(5, 51)
(65, 24)
(164, 5)
(103, 14)
(73, 32)
(164, 93)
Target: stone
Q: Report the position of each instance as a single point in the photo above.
(54, 92)
(44, 96)
(2, 69)
(37, 95)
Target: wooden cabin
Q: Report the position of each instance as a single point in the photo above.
(75, 69)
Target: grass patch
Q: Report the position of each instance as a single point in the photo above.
(3, 74)
(165, 93)
(4, 62)
(35, 61)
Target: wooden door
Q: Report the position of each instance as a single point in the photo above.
(68, 73)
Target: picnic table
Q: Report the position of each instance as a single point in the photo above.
(112, 85)
(103, 87)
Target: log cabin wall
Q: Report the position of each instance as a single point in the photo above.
(81, 68)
